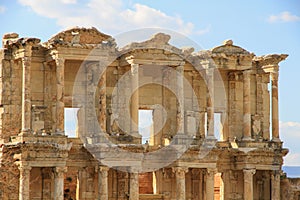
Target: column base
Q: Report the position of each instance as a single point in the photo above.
(249, 139)
(276, 140)
(182, 139)
(25, 132)
(59, 132)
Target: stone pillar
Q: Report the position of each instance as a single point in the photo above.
(103, 183)
(59, 183)
(202, 124)
(134, 186)
(180, 182)
(275, 185)
(81, 184)
(275, 115)
(248, 183)
(210, 184)
(26, 95)
(247, 106)
(225, 126)
(24, 184)
(180, 93)
(210, 102)
(60, 105)
(134, 105)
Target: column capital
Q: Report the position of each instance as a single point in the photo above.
(180, 171)
(134, 68)
(249, 171)
(102, 168)
(274, 76)
(59, 59)
(60, 170)
(26, 61)
(180, 68)
(247, 73)
(22, 167)
(275, 174)
(211, 171)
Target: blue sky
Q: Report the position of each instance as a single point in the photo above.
(262, 27)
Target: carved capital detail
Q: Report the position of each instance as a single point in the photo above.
(180, 171)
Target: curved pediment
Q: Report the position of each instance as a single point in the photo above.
(228, 48)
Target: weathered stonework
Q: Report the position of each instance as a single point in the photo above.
(38, 81)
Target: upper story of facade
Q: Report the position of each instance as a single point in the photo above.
(225, 91)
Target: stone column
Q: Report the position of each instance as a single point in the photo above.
(81, 184)
(134, 105)
(103, 183)
(248, 183)
(180, 93)
(60, 105)
(210, 183)
(180, 182)
(275, 185)
(247, 106)
(210, 102)
(275, 118)
(59, 183)
(24, 184)
(26, 95)
(134, 186)
(225, 126)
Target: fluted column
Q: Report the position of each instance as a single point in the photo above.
(210, 183)
(103, 183)
(134, 186)
(275, 185)
(59, 183)
(210, 102)
(134, 106)
(180, 182)
(275, 115)
(248, 183)
(247, 106)
(26, 93)
(24, 183)
(60, 105)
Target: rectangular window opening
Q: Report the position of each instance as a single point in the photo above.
(71, 122)
(145, 125)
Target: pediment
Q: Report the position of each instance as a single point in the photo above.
(79, 35)
(229, 49)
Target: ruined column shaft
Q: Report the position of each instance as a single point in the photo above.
(210, 178)
(248, 183)
(103, 183)
(26, 94)
(210, 102)
(275, 185)
(24, 184)
(60, 105)
(59, 183)
(134, 106)
(134, 186)
(180, 182)
(275, 115)
(247, 106)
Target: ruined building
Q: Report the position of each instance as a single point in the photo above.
(188, 93)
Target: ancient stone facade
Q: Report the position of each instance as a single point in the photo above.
(183, 159)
